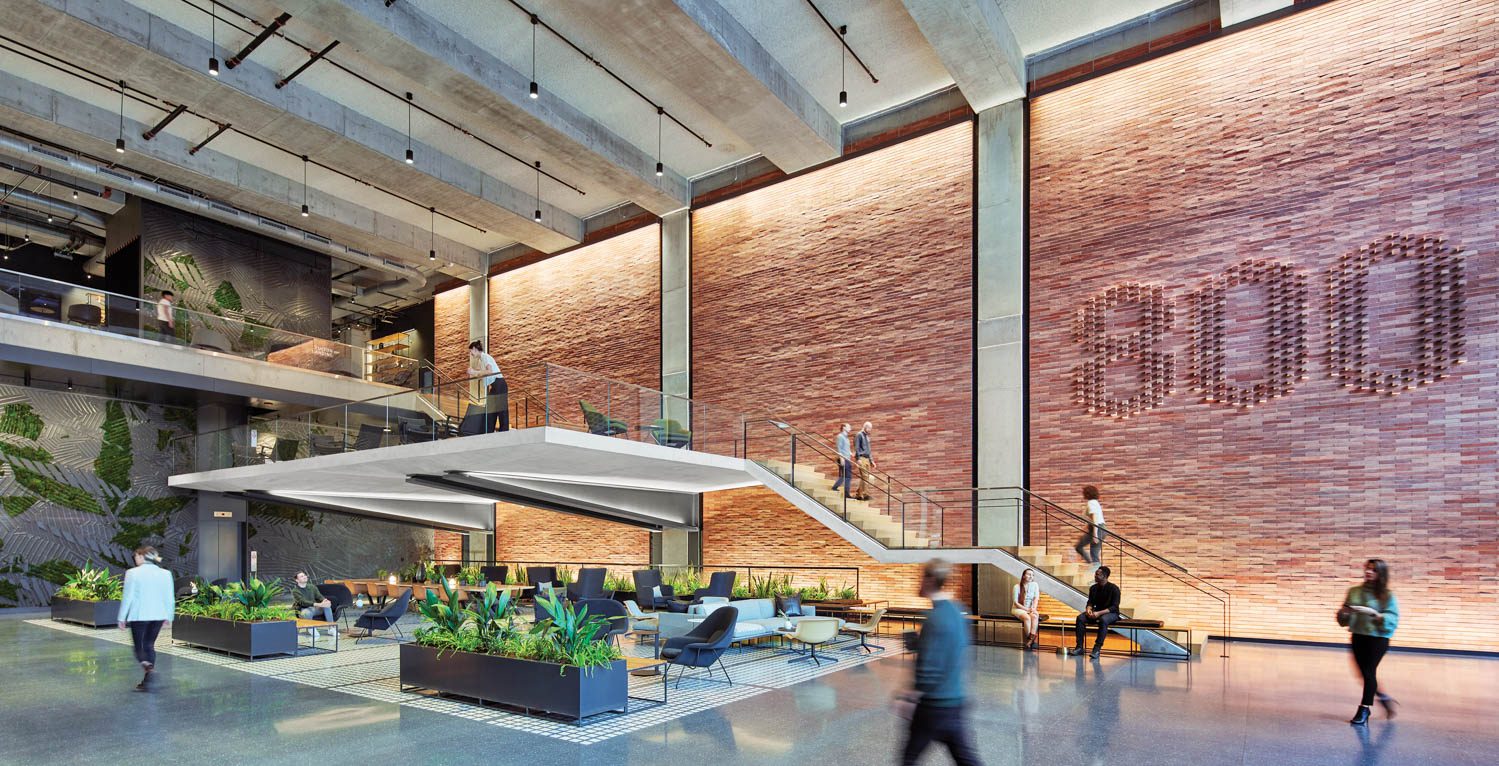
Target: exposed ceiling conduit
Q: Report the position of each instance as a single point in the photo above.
(105, 175)
(60, 239)
(48, 206)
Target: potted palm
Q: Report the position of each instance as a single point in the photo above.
(89, 597)
(237, 618)
(559, 665)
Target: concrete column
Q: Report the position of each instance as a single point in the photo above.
(1000, 426)
(478, 321)
(676, 546)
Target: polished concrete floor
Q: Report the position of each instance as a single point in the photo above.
(68, 699)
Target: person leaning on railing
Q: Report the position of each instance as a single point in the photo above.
(496, 390)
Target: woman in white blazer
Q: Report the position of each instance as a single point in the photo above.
(147, 603)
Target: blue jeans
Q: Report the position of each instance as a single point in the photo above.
(845, 475)
(311, 612)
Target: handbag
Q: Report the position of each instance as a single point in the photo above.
(1345, 615)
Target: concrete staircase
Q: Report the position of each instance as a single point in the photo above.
(1064, 582)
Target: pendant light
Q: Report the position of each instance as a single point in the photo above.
(410, 155)
(213, 38)
(305, 211)
(535, 91)
(843, 66)
(432, 233)
(120, 142)
(537, 215)
(660, 115)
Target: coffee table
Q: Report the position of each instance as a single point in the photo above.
(640, 666)
(305, 627)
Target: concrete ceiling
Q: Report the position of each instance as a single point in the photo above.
(774, 73)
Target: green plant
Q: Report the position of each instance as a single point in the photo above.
(769, 586)
(818, 592)
(240, 601)
(570, 637)
(409, 573)
(619, 583)
(471, 576)
(433, 572)
(741, 590)
(847, 593)
(381, 574)
(90, 584)
(566, 575)
(573, 633)
(516, 575)
(685, 580)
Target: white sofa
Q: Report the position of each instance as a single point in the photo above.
(757, 616)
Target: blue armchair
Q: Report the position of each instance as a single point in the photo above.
(384, 619)
(646, 582)
(720, 584)
(704, 645)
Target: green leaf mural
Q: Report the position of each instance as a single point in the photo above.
(15, 505)
(18, 418)
(115, 459)
(56, 571)
(145, 508)
(131, 534)
(54, 491)
(226, 297)
(25, 452)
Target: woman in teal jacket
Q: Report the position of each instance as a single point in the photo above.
(1371, 614)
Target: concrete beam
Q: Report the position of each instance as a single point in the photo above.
(701, 50)
(455, 70)
(165, 60)
(39, 111)
(1234, 11)
(976, 44)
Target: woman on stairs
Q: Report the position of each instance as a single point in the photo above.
(1090, 545)
(1023, 606)
(1371, 614)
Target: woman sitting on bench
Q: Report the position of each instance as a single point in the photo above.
(1023, 607)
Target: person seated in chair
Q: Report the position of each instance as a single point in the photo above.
(1102, 610)
(310, 603)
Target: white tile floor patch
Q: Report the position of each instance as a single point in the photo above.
(371, 670)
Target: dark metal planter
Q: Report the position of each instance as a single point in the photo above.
(625, 595)
(535, 686)
(95, 614)
(245, 639)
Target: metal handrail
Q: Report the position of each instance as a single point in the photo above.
(822, 441)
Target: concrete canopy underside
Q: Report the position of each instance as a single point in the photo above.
(453, 483)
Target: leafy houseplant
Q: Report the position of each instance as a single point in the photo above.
(90, 584)
(470, 575)
(619, 583)
(566, 575)
(818, 592)
(847, 593)
(381, 574)
(516, 575)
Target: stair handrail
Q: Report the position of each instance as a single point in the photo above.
(822, 441)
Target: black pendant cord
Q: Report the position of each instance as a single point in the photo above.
(305, 210)
(660, 166)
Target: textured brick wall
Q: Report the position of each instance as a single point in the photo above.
(450, 331)
(447, 546)
(596, 309)
(841, 294)
(1296, 141)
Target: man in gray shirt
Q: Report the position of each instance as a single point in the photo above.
(845, 463)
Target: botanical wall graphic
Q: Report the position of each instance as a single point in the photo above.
(222, 271)
(330, 545)
(84, 479)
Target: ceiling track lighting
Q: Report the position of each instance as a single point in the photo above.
(213, 38)
(537, 215)
(410, 156)
(305, 211)
(120, 142)
(535, 91)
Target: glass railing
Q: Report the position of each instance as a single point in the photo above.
(1153, 585)
(879, 505)
(81, 306)
(538, 395)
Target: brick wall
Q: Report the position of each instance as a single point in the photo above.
(841, 294)
(447, 546)
(596, 309)
(450, 331)
(1296, 141)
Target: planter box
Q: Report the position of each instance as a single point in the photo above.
(535, 686)
(95, 614)
(625, 595)
(246, 639)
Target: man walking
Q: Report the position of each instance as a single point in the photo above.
(1102, 609)
(937, 699)
(864, 457)
(845, 463)
(166, 319)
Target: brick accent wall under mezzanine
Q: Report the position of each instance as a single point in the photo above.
(450, 332)
(1294, 142)
(842, 294)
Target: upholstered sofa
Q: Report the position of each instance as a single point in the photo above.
(757, 616)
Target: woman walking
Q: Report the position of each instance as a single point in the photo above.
(146, 605)
(1090, 545)
(1371, 615)
(1023, 599)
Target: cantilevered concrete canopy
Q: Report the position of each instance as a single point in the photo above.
(453, 483)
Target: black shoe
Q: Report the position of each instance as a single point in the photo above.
(1389, 704)
(1093, 655)
(1361, 718)
(1079, 651)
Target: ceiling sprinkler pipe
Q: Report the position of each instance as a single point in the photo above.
(62, 162)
